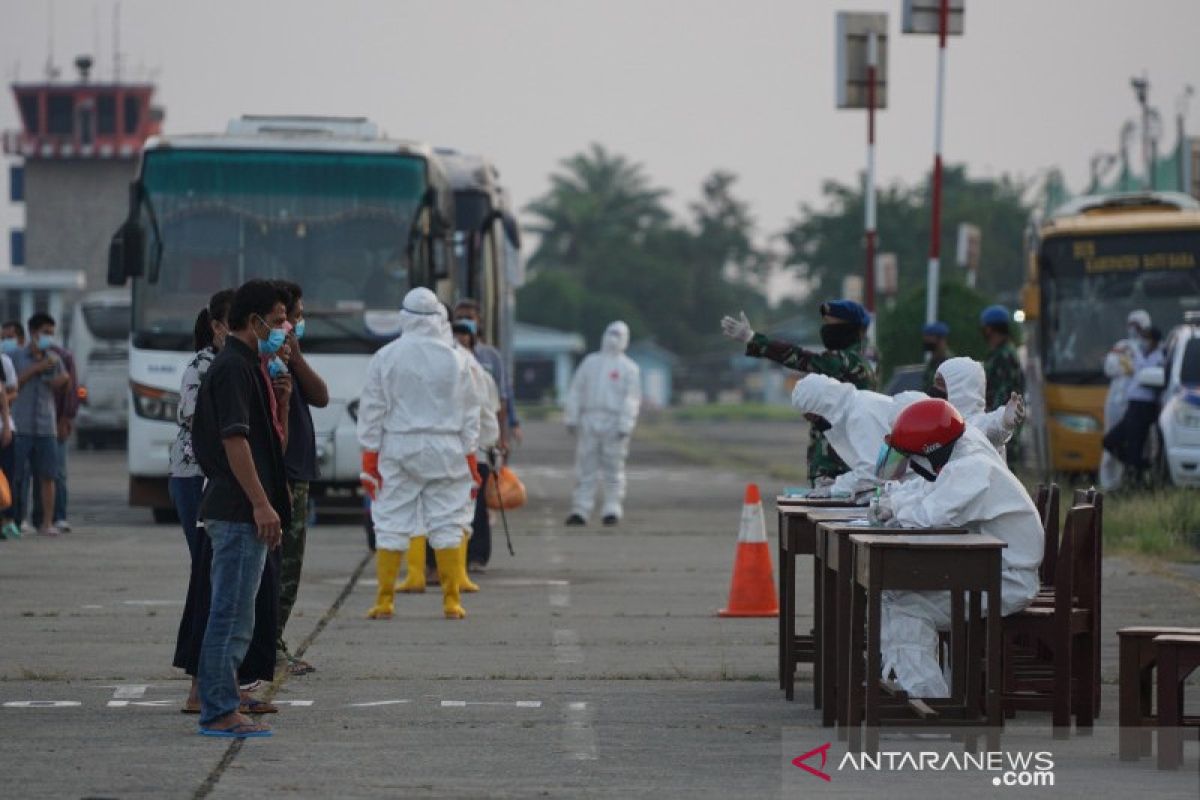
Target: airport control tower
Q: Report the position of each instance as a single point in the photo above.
(76, 152)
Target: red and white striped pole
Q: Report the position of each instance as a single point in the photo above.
(869, 200)
(935, 233)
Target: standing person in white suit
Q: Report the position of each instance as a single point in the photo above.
(602, 411)
(962, 382)
(970, 487)
(1118, 368)
(418, 425)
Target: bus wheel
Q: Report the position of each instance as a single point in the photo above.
(165, 516)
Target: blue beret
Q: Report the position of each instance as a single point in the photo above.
(847, 310)
(994, 315)
(936, 329)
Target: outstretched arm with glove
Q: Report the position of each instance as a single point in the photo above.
(759, 346)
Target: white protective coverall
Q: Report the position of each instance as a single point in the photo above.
(966, 383)
(974, 490)
(420, 411)
(602, 406)
(1119, 369)
(858, 419)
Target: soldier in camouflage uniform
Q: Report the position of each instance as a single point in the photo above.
(934, 341)
(1002, 367)
(844, 324)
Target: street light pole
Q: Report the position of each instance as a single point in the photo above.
(933, 278)
(869, 203)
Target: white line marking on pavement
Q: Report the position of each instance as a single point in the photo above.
(151, 602)
(147, 703)
(42, 704)
(517, 704)
(560, 595)
(580, 735)
(293, 703)
(91, 606)
(379, 703)
(129, 691)
(566, 647)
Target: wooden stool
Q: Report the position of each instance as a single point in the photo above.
(1136, 687)
(1178, 657)
(965, 565)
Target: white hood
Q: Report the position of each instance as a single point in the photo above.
(616, 338)
(966, 383)
(422, 314)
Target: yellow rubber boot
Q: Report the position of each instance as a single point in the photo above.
(414, 581)
(465, 583)
(450, 565)
(387, 566)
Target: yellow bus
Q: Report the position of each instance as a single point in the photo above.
(1092, 262)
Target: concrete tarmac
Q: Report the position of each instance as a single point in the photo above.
(591, 664)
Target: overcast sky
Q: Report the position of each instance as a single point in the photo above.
(682, 86)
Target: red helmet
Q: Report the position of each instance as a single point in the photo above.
(925, 427)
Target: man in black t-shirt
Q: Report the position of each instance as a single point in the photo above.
(300, 460)
(239, 441)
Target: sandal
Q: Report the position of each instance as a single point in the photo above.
(190, 708)
(297, 667)
(243, 730)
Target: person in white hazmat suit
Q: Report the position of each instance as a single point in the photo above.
(418, 425)
(970, 487)
(602, 410)
(858, 420)
(1119, 369)
(962, 382)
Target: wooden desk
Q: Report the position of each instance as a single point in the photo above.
(962, 564)
(834, 588)
(796, 538)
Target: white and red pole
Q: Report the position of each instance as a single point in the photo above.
(935, 233)
(869, 200)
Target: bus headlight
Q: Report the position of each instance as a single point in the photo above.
(1077, 423)
(153, 403)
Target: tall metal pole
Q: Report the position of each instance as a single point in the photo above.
(935, 234)
(869, 200)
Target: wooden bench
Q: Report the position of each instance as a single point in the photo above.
(968, 567)
(1135, 694)
(1178, 657)
(797, 538)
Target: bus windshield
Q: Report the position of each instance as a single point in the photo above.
(1091, 283)
(338, 224)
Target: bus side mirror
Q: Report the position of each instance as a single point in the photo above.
(1152, 377)
(126, 253)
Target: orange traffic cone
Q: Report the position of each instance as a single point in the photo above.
(752, 593)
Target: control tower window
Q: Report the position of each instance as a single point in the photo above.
(106, 114)
(31, 114)
(133, 115)
(61, 120)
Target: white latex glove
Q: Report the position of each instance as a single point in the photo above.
(738, 329)
(1014, 411)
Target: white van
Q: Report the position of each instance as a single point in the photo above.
(99, 340)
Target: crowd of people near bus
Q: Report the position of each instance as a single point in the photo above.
(37, 414)
(930, 459)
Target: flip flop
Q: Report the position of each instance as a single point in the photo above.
(297, 667)
(242, 731)
(257, 707)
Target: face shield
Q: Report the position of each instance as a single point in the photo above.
(890, 464)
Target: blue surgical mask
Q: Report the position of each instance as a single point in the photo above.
(9, 346)
(274, 340)
(45, 341)
(276, 367)
(299, 329)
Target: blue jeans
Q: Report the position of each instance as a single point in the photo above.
(185, 494)
(34, 457)
(60, 487)
(237, 567)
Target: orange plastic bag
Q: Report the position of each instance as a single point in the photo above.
(5, 492)
(504, 489)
